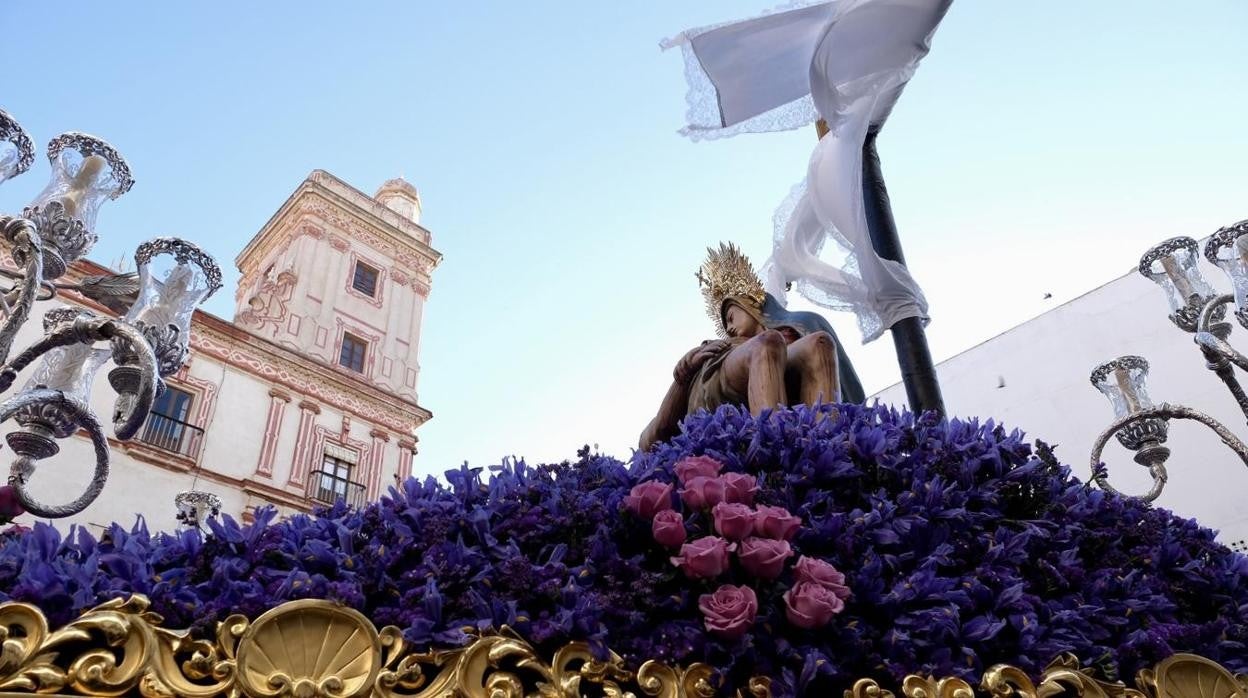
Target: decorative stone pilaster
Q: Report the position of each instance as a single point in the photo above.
(272, 429)
(376, 455)
(407, 449)
(303, 444)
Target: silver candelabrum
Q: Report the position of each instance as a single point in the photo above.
(1142, 426)
(147, 342)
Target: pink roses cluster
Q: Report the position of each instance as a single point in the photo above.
(759, 537)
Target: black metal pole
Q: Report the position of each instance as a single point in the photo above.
(918, 373)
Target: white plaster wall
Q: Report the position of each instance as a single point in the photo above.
(232, 440)
(1046, 362)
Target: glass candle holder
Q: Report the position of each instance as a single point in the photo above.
(86, 172)
(167, 299)
(1173, 265)
(195, 506)
(1124, 382)
(1228, 250)
(17, 152)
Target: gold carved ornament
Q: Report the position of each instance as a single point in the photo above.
(318, 649)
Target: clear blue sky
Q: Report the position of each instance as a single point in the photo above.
(1041, 147)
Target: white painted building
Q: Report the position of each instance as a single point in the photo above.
(1036, 377)
(310, 394)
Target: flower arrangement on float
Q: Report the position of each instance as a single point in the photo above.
(728, 527)
(819, 547)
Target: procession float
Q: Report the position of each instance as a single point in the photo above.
(772, 535)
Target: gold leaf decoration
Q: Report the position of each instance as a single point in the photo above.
(318, 649)
(727, 273)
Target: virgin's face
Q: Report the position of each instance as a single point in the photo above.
(739, 323)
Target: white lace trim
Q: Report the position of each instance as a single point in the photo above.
(841, 290)
(703, 118)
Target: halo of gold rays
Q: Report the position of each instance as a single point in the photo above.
(727, 273)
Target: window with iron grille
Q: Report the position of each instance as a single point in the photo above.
(365, 280)
(353, 352)
(166, 427)
(333, 482)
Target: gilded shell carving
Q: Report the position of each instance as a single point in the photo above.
(309, 649)
(317, 649)
(1190, 676)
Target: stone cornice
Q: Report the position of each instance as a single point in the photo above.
(403, 237)
(224, 341)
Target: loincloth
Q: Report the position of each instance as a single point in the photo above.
(710, 387)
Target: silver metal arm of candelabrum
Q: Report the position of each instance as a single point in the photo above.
(1219, 354)
(132, 406)
(74, 413)
(47, 414)
(1154, 458)
(27, 251)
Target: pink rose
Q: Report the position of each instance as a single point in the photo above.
(649, 498)
(730, 611)
(733, 521)
(764, 558)
(739, 488)
(815, 571)
(10, 505)
(668, 528)
(776, 522)
(703, 492)
(809, 605)
(697, 466)
(704, 557)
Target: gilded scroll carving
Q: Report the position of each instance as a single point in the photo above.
(317, 649)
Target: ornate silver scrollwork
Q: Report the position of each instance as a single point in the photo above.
(1102, 372)
(87, 144)
(185, 253)
(164, 341)
(194, 505)
(135, 398)
(1155, 461)
(26, 249)
(12, 132)
(65, 238)
(24, 465)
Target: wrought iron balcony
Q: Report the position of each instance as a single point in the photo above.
(327, 488)
(171, 434)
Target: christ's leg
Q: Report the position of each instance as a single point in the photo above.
(756, 368)
(811, 367)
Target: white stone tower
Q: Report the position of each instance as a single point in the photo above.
(343, 277)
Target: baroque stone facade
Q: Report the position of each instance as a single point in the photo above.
(310, 394)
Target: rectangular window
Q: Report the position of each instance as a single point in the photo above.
(365, 280)
(353, 351)
(333, 482)
(166, 427)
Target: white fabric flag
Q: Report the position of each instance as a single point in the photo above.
(844, 61)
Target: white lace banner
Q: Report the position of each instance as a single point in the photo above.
(846, 62)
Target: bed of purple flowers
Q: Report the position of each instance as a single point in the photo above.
(961, 546)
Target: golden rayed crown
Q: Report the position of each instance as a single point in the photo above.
(727, 274)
